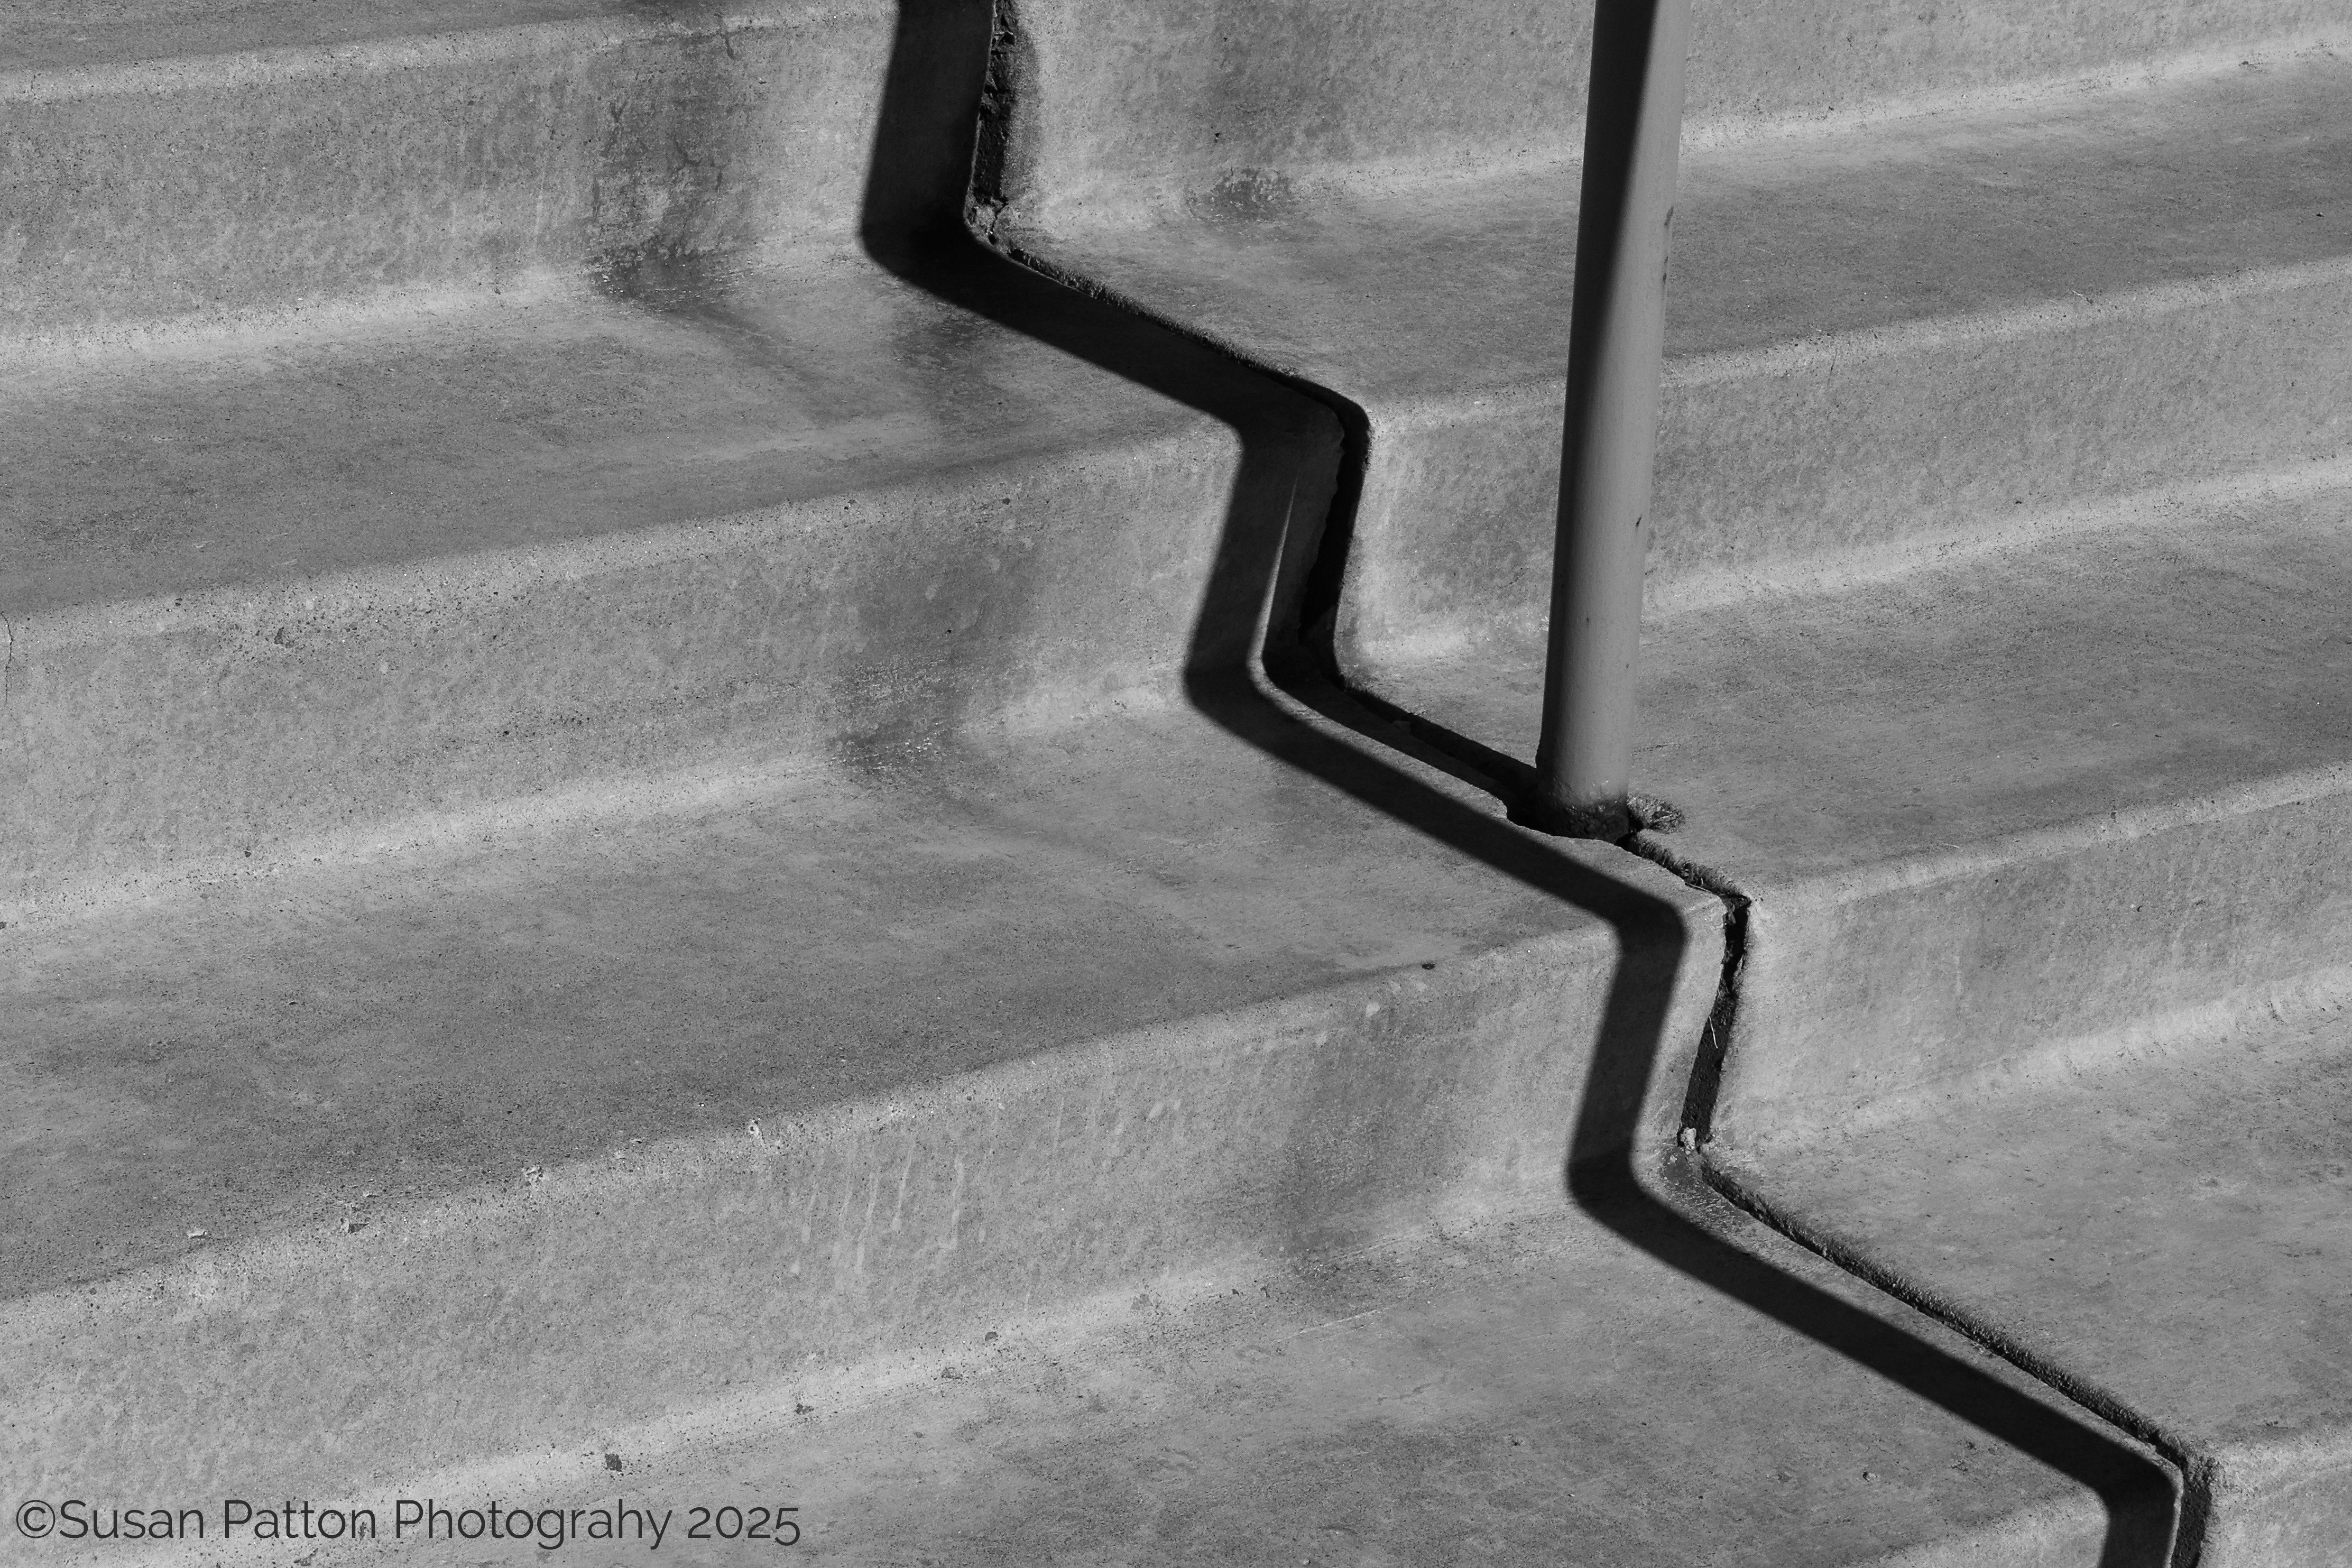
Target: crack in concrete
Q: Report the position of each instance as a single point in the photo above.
(7, 674)
(2197, 1472)
(1715, 1043)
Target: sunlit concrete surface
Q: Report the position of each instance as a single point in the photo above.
(759, 757)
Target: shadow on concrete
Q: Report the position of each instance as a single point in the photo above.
(939, 114)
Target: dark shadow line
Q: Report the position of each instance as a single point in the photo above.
(945, 96)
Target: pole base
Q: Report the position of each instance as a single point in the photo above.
(1609, 819)
(1612, 820)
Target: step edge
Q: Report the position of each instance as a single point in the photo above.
(207, 70)
(2173, 509)
(2268, 51)
(1153, 203)
(415, 582)
(208, 1309)
(2319, 783)
(2178, 1034)
(582, 1183)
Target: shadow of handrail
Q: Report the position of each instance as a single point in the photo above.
(914, 224)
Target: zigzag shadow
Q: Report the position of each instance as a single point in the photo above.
(914, 225)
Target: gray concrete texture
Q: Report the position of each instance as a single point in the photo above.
(1929, 334)
(382, 153)
(2156, 1226)
(629, 782)
(1998, 664)
(461, 435)
(1137, 108)
(1496, 1392)
(629, 1118)
(330, 579)
(2000, 803)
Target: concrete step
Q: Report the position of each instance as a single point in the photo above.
(470, 1148)
(2004, 703)
(480, 609)
(510, 514)
(2156, 1227)
(635, 802)
(1652, 1380)
(326, 151)
(1125, 111)
(1933, 335)
(2027, 797)
(330, 149)
(2002, 823)
(302, 588)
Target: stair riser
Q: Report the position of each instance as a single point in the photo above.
(1850, 998)
(616, 1293)
(2290, 1509)
(1854, 454)
(476, 159)
(1139, 105)
(198, 187)
(240, 720)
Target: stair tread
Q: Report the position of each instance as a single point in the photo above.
(2026, 795)
(44, 35)
(2160, 1223)
(264, 587)
(1141, 107)
(554, 419)
(1526, 1389)
(782, 1083)
(1461, 284)
(2030, 805)
(447, 1014)
(665, 1060)
(2184, 651)
(1882, 343)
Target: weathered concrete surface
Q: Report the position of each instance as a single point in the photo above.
(1944, 339)
(1131, 107)
(60, 34)
(278, 577)
(1996, 661)
(1172, 989)
(641, 1114)
(1534, 1389)
(2004, 823)
(1936, 334)
(2162, 1227)
(2022, 799)
(304, 581)
(318, 156)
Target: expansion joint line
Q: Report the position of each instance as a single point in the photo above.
(1697, 1122)
(1697, 1119)
(7, 675)
(2197, 1472)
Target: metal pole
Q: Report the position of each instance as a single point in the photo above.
(1633, 134)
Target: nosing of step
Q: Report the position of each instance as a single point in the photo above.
(561, 40)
